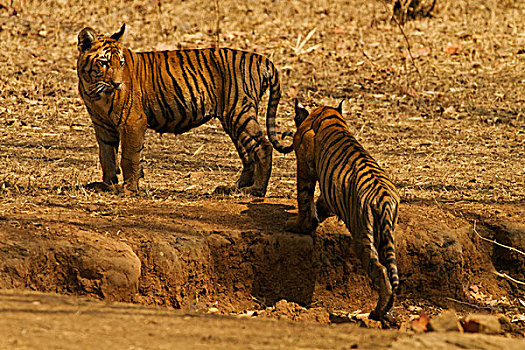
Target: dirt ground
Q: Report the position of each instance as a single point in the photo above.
(50, 321)
(446, 119)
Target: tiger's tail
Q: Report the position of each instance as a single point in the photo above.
(275, 95)
(387, 250)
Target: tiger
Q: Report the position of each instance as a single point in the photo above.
(354, 188)
(126, 92)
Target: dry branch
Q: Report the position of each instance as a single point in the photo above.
(217, 24)
(469, 304)
(496, 243)
(409, 47)
(504, 275)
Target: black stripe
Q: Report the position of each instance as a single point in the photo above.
(108, 127)
(178, 97)
(165, 106)
(192, 72)
(111, 143)
(203, 80)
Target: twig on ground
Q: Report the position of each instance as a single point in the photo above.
(496, 243)
(159, 8)
(504, 275)
(469, 304)
(217, 24)
(299, 45)
(409, 47)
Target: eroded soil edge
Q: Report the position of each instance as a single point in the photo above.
(232, 254)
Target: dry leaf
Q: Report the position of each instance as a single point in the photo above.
(421, 324)
(421, 52)
(410, 92)
(338, 30)
(424, 51)
(518, 318)
(452, 49)
(452, 110)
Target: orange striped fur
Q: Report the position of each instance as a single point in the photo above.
(126, 92)
(353, 187)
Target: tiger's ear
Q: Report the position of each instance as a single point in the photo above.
(118, 35)
(300, 113)
(86, 39)
(340, 107)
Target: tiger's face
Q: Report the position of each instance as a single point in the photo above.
(101, 62)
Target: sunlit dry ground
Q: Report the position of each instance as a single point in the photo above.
(446, 118)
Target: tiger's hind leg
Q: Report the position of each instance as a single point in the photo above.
(323, 211)
(248, 166)
(250, 138)
(263, 168)
(365, 250)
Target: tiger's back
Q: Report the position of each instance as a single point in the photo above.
(353, 187)
(182, 89)
(349, 178)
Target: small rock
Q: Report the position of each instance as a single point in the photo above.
(478, 323)
(503, 319)
(213, 310)
(415, 309)
(281, 305)
(446, 322)
(248, 313)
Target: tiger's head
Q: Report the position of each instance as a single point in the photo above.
(101, 63)
(301, 113)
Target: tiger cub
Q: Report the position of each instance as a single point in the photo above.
(354, 188)
(126, 92)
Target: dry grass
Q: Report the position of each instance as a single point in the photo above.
(453, 133)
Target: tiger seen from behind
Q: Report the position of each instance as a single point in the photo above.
(354, 188)
(126, 92)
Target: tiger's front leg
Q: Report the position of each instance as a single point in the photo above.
(108, 142)
(132, 137)
(306, 220)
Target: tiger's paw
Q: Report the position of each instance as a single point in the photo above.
(129, 188)
(254, 191)
(112, 188)
(225, 190)
(229, 190)
(100, 187)
(388, 319)
(294, 225)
